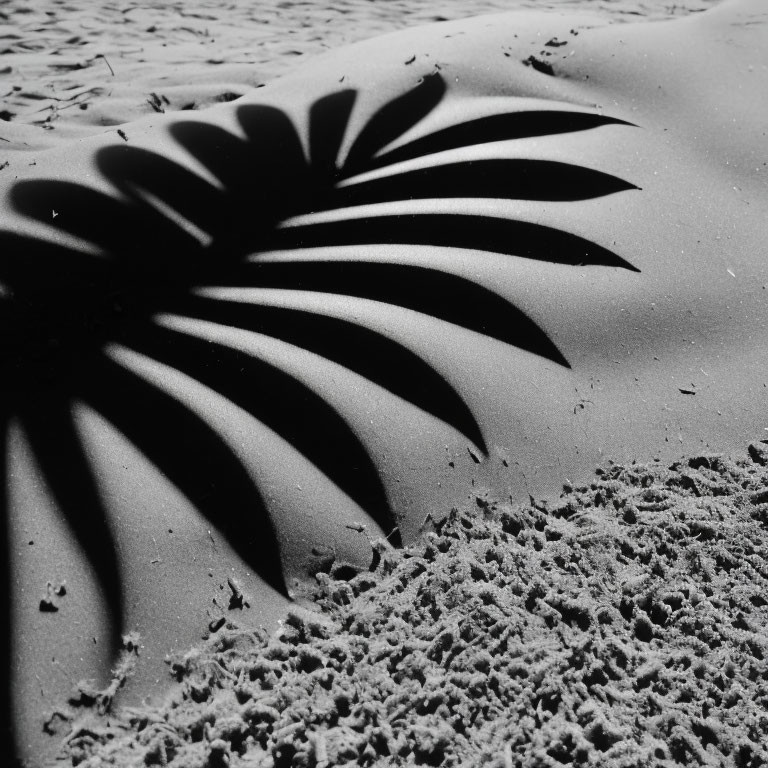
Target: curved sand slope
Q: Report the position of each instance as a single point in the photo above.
(426, 267)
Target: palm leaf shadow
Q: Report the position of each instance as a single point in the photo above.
(249, 383)
(194, 457)
(393, 120)
(56, 445)
(172, 244)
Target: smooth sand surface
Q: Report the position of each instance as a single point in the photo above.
(609, 306)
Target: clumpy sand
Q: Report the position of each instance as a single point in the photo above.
(622, 625)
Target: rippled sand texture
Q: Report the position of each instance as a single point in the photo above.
(72, 68)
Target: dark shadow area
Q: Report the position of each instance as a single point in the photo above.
(167, 233)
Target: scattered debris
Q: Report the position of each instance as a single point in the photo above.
(156, 103)
(357, 527)
(538, 65)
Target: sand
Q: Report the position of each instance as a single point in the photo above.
(174, 467)
(621, 625)
(72, 68)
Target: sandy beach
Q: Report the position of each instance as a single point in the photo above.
(73, 69)
(318, 323)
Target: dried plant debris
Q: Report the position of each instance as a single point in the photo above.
(624, 625)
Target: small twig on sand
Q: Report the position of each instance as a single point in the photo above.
(106, 61)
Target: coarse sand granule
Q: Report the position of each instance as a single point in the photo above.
(623, 625)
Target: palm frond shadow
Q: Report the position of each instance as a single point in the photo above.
(168, 234)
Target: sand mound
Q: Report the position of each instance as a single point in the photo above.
(623, 625)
